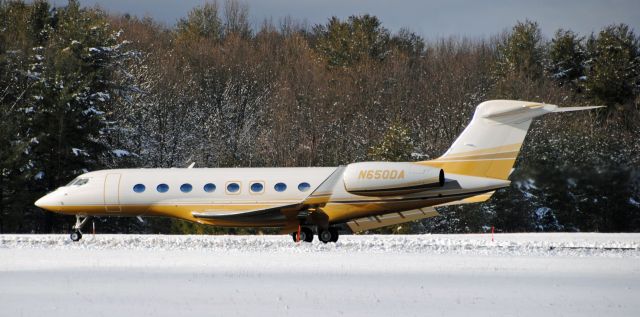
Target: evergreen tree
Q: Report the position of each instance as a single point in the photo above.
(70, 57)
(567, 58)
(518, 69)
(346, 43)
(409, 42)
(395, 146)
(613, 76)
(522, 52)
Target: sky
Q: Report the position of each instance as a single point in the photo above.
(430, 18)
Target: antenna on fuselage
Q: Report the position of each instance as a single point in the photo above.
(191, 165)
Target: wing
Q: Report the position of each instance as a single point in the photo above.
(319, 197)
(269, 214)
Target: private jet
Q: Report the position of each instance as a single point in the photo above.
(308, 201)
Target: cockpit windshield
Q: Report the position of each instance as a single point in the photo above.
(78, 181)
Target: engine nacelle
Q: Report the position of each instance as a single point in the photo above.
(388, 178)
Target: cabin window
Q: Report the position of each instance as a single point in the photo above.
(139, 188)
(185, 188)
(163, 188)
(233, 187)
(257, 187)
(304, 186)
(280, 187)
(209, 188)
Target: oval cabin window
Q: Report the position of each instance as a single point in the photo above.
(304, 186)
(233, 187)
(210, 188)
(185, 188)
(139, 188)
(257, 187)
(162, 188)
(280, 187)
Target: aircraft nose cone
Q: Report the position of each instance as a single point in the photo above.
(44, 202)
(39, 202)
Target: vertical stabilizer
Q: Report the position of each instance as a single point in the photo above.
(489, 145)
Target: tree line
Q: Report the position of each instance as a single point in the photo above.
(82, 89)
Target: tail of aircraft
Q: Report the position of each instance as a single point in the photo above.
(489, 145)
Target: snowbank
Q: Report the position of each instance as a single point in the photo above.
(538, 244)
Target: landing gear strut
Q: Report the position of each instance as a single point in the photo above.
(76, 234)
(306, 235)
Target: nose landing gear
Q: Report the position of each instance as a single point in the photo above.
(76, 234)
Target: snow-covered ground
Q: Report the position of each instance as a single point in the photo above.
(421, 275)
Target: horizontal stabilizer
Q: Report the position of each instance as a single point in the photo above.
(567, 109)
(469, 200)
(527, 110)
(374, 222)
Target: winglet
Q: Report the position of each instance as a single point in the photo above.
(323, 193)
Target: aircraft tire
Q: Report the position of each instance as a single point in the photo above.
(334, 234)
(75, 235)
(308, 234)
(325, 236)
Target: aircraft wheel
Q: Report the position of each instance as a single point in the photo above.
(75, 235)
(325, 236)
(334, 234)
(306, 235)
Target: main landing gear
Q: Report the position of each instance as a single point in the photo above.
(324, 235)
(76, 234)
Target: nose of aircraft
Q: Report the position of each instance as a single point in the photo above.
(45, 202)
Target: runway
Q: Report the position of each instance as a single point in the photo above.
(453, 275)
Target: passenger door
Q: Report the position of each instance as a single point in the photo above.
(112, 193)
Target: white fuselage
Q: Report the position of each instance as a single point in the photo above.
(142, 192)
